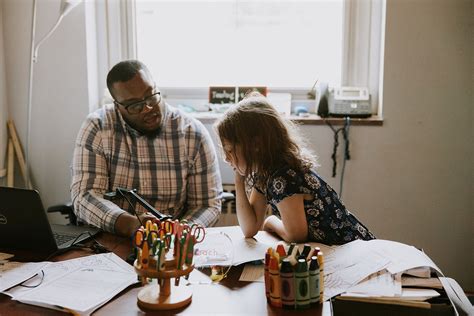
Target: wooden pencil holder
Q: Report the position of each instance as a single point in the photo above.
(165, 295)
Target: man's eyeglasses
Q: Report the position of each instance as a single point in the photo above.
(137, 107)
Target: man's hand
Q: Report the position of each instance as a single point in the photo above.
(127, 224)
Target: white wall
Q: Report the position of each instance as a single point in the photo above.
(3, 105)
(409, 180)
(60, 92)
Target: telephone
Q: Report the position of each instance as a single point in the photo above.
(349, 101)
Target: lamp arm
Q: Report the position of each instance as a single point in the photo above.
(133, 193)
(35, 55)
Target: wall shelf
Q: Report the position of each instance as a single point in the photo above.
(312, 119)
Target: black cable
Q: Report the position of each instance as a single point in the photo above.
(334, 148)
(347, 156)
(131, 205)
(96, 246)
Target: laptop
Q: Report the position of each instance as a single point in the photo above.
(25, 226)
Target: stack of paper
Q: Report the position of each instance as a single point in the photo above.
(79, 285)
(384, 285)
(379, 265)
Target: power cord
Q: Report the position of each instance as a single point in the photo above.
(96, 246)
(345, 133)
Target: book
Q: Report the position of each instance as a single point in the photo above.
(433, 283)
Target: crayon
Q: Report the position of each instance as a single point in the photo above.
(280, 249)
(321, 276)
(290, 249)
(306, 250)
(287, 277)
(275, 284)
(276, 255)
(314, 280)
(314, 252)
(302, 286)
(293, 255)
(266, 276)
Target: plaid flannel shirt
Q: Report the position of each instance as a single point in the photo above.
(176, 172)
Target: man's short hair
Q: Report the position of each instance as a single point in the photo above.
(124, 71)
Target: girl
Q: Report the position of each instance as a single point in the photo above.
(265, 149)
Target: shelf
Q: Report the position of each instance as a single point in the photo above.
(312, 119)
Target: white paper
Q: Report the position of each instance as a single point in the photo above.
(381, 283)
(403, 257)
(244, 249)
(81, 284)
(407, 294)
(81, 290)
(13, 273)
(457, 296)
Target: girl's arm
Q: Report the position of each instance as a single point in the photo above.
(293, 226)
(250, 212)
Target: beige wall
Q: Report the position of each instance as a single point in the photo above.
(425, 184)
(409, 180)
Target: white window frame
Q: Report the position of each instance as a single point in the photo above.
(363, 40)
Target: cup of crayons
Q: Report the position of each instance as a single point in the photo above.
(294, 279)
(165, 250)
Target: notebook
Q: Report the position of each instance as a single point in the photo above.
(24, 224)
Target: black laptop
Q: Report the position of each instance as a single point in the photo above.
(25, 226)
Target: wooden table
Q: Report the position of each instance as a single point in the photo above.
(230, 296)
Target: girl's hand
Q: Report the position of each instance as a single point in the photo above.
(238, 177)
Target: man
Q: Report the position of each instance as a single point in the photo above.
(142, 143)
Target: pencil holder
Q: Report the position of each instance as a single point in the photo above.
(165, 294)
(165, 252)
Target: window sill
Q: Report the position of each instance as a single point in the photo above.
(312, 119)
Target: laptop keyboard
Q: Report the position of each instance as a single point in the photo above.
(62, 239)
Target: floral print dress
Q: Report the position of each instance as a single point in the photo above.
(329, 221)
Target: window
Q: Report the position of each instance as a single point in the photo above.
(190, 45)
(267, 43)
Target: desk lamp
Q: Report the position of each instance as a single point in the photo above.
(133, 195)
(65, 8)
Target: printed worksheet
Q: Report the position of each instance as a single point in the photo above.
(80, 285)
